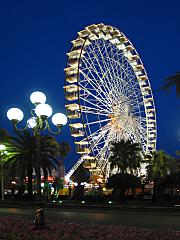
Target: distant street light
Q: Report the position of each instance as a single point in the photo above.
(2, 152)
(38, 122)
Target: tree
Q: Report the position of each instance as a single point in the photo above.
(22, 155)
(120, 182)
(64, 149)
(172, 81)
(157, 169)
(125, 156)
(173, 164)
(4, 136)
(80, 175)
(171, 181)
(4, 139)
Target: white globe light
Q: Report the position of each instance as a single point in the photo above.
(43, 110)
(38, 97)
(31, 122)
(15, 114)
(2, 147)
(59, 119)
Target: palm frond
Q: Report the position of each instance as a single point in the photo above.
(172, 81)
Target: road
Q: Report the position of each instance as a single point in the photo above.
(140, 219)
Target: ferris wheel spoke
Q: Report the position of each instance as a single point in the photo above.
(118, 82)
(103, 64)
(124, 83)
(97, 145)
(127, 89)
(95, 138)
(89, 110)
(109, 60)
(113, 86)
(139, 135)
(104, 72)
(98, 151)
(99, 121)
(120, 66)
(107, 73)
(92, 110)
(104, 87)
(95, 86)
(106, 135)
(138, 98)
(103, 103)
(93, 105)
(96, 135)
(119, 70)
(104, 151)
(112, 77)
(125, 69)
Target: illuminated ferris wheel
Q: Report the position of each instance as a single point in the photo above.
(108, 97)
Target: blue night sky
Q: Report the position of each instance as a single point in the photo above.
(37, 34)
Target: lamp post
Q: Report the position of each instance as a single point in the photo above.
(2, 151)
(39, 121)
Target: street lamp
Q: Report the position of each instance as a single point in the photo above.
(37, 122)
(2, 152)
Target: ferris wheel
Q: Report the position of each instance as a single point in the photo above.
(108, 96)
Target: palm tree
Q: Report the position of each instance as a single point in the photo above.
(4, 136)
(22, 155)
(49, 149)
(125, 156)
(64, 149)
(171, 81)
(157, 169)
